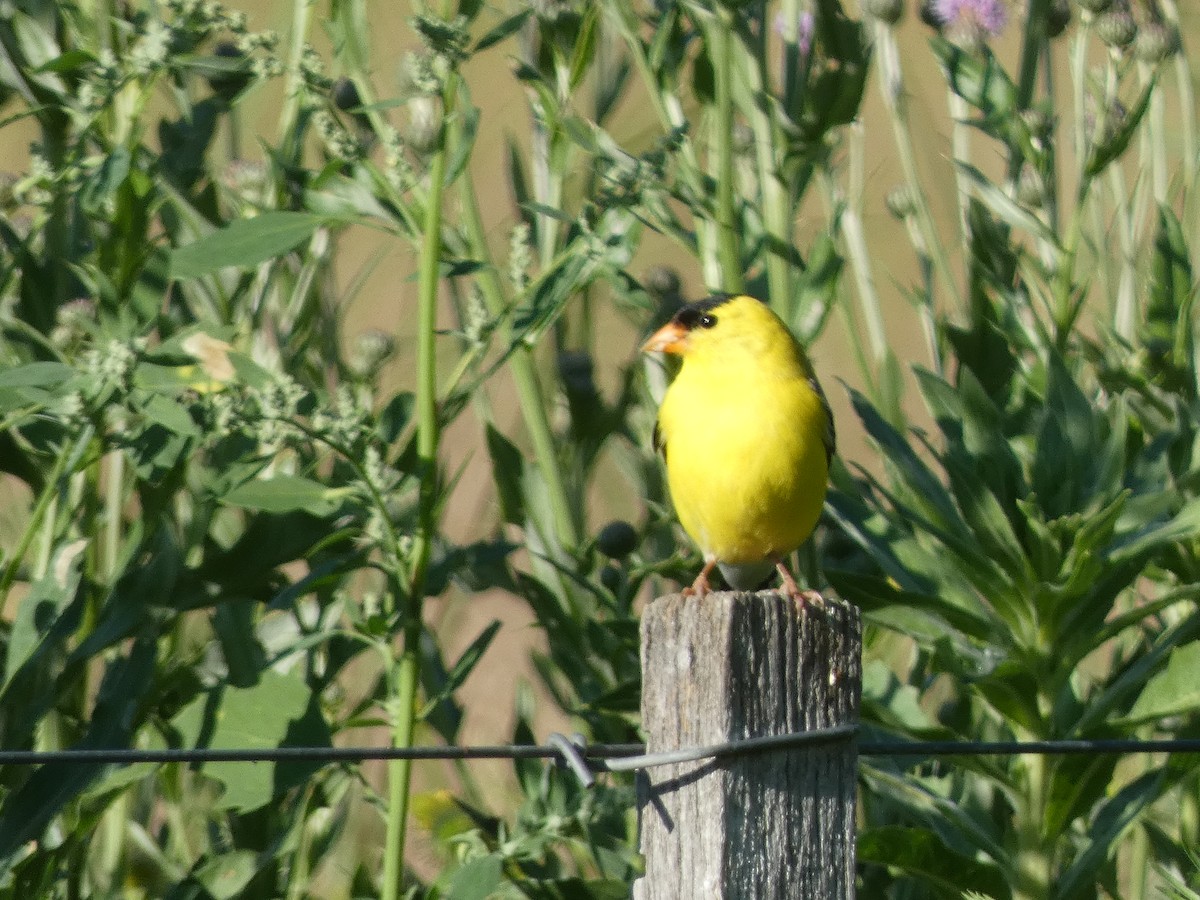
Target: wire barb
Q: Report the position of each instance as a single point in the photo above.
(570, 753)
(791, 740)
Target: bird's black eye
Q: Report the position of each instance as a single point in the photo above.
(691, 317)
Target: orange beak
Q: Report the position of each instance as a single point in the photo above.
(671, 338)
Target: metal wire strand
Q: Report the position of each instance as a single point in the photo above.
(584, 759)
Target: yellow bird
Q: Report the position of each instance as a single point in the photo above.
(747, 435)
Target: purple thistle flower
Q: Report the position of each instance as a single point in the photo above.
(979, 18)
(804, 29)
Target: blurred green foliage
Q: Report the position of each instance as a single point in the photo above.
(228, 523)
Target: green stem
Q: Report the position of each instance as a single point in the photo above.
(861, 268)
(664, 93)
(57, 232)
(67, 459)
(1032, 42)
(1154, 136)
(288, 136)
(1187, 110)
(548, 162)
(1078, 57)
(1052, 207)
(775, 197)
(113, 495)
(524, 374)
(1125, 312)
(1065, 307)
(850, 225)
(1034, 859)
(895, 98)
(960, 152)
(405, 681)
(301, 869)
(729, 251)
(1139, 865)
(794, 75)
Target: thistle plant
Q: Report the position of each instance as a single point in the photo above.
(1037, 542)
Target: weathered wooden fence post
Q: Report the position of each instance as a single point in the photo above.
(775, 824)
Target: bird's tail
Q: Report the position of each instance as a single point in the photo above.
(747, 576)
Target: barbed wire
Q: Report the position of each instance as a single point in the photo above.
(586, 759)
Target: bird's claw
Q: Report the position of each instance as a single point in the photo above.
(700, 587)
(802, 597)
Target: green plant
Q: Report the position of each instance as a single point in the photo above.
(229, 516)
(1038, 549)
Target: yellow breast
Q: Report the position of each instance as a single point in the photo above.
(745, 429)
(746, 461)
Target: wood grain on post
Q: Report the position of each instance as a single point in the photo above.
(771, 825)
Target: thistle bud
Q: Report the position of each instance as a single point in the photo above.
(887, 11)
(617, 539)
(1058, 18)
(1031, 189)
(1155, 42)
(227, 83)
(900, 202)
(1116, 28)
(662, 281)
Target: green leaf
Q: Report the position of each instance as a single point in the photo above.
(584, 44)
(509, 26)
(71, 61)
(1062, 474)
(924, 617)
(1183, 526)
(244, 243)
(1012, 691)
(978, 78)
(1004, 206)
(249, 372)
(277, 711)
(476, 567)
(470, 657)
(468, 114)
(395, 416)
(27, 811)
(580, 131)
(835, 92)
(921, 486)
(552, 212)
(170, 415)
(477, 879)
(816, 288)
(233, 623)
(900, 704)
(1103, 154)
(226, 875)
(100, 187)
(441, 712)
(1115, 817)
(1167, 331)
(36, 374)
(508, 473)
(1175, 691)
(1077, 784)
(921, 853)
(49, 597)
(286, 493)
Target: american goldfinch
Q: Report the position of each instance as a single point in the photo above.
(747, 435)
